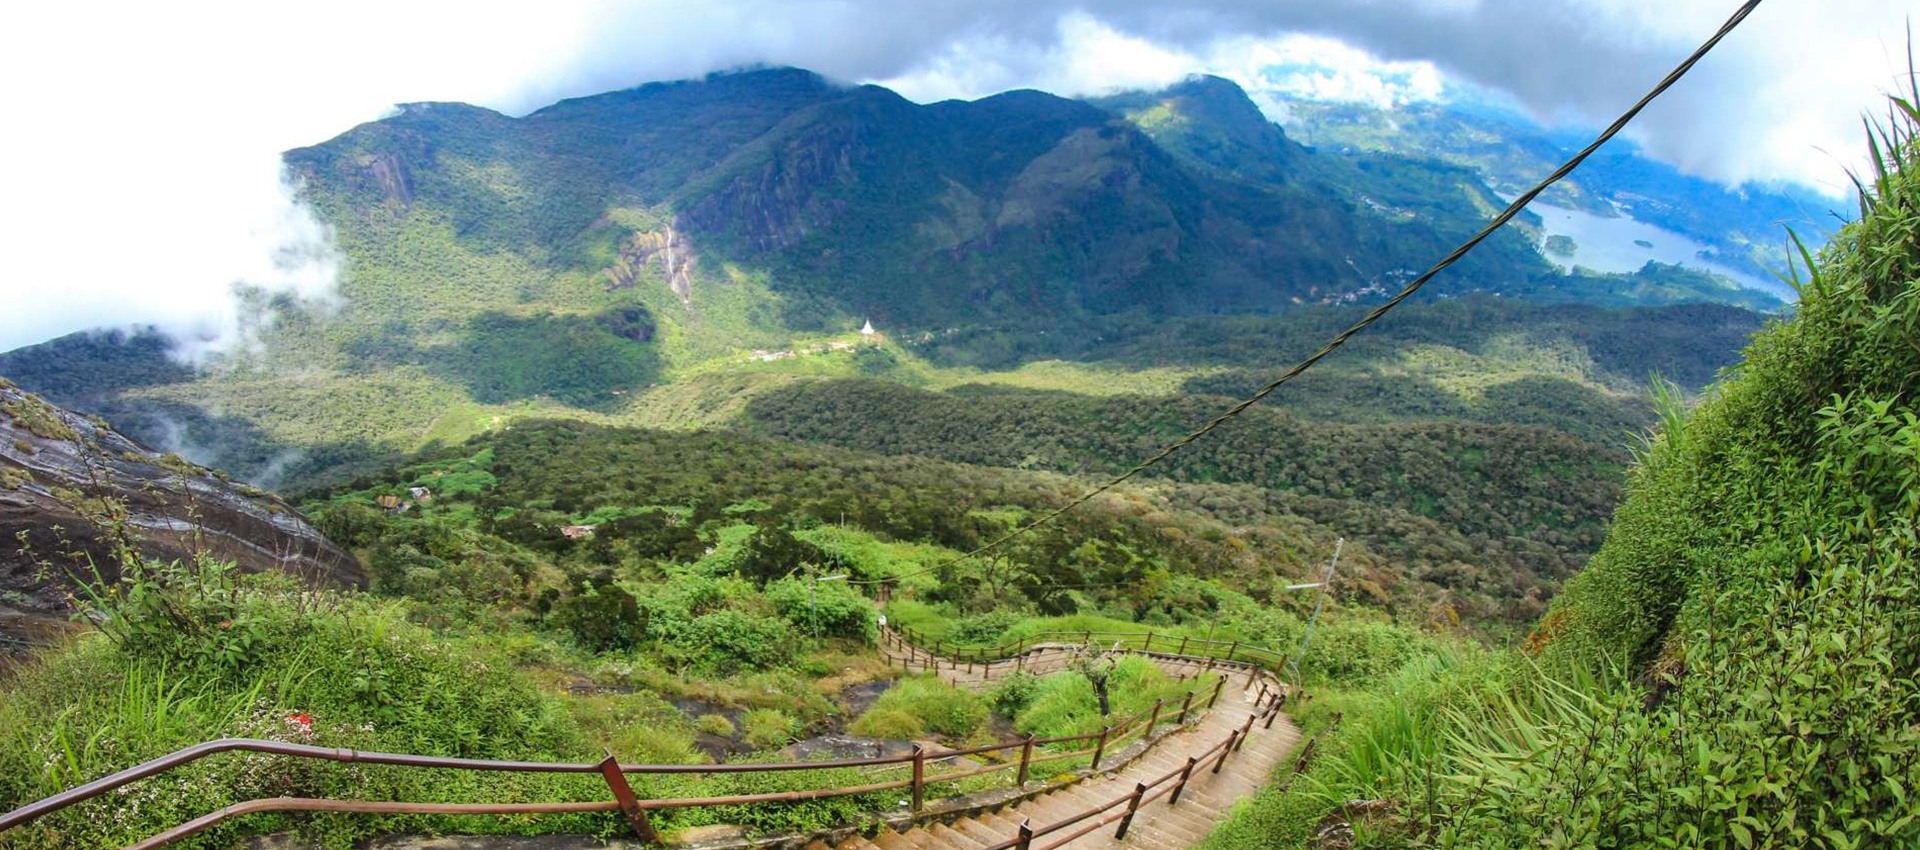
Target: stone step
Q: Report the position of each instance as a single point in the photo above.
(890, 840)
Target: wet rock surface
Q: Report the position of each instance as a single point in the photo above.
(71, 486)
(839, 746)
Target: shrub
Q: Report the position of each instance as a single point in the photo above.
(337, 671)
(1354, 649)
(1012, 695)
(890, 723)
(658, 745)
(715, 724)
(768, 728)
(726, 641)
(601, 618)
(829, 609)
(935, 705)
(1065, 704)
(983, 628)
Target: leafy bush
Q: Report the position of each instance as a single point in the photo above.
(601, 618)
(726, 641)
(1013, 693)
(830, 609)
(983, 629)
(1065, 703)
(1356, 649)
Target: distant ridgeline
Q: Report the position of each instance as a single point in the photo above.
(617, 257)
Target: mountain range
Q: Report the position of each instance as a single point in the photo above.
(659, 255)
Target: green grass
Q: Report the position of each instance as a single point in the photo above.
(1065, 703)
(923, 703)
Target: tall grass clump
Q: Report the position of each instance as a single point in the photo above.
(1761, 586)
(187, 653)
(920, 704)
(1739, 665)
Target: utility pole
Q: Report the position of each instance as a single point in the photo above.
(1317, 605)
(813, 601)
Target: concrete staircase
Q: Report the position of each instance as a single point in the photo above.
(1158, 825)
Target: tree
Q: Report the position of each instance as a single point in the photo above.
(1097, 666)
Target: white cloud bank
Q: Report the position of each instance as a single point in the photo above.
(141, 158)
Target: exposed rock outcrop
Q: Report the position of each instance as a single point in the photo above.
(69, 486)
(669, 247)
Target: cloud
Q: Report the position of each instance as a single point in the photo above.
(141, 158)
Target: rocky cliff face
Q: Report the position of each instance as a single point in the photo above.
(70, 486)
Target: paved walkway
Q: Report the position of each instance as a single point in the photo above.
(1160, 824)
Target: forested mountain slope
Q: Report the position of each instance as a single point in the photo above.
(1736, 666)
(614, 258)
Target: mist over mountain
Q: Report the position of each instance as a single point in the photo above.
(605, 247)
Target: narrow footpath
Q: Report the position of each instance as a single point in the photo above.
(1161, 824)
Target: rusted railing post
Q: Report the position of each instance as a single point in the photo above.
(1086, 639)
(1026, 758)
(1026, 834)
(1133, 805)
(1155, 720)
(1262, 697)
(629, 804)
(1020, 661)
(1217, 686)
(919, 776)
(1100, 747)
(1183, 646)
(1232, 739)
(1232, 649)
(1185, 704)
(1244, 729)
(1278, 702)
(1149, 646)
(1182, 784)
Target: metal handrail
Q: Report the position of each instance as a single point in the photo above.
(614, 773)
(980, 655)
(1139, 797)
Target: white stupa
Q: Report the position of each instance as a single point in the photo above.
(867, 329)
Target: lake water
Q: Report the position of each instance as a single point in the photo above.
(1616, 245)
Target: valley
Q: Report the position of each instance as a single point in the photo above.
(681, 426)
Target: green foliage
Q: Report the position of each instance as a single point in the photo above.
(768, 728)
(1359, 650)
(923, 703)
(1013, 693)
(773, 552)
(579, 361)
(889, 723)
(335, 671)
(727, 641)
(95, 364)
(1755, 595)
(1065, 703)
(601, 618)
(1499, 483)
(826, 609)
(715, 724)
